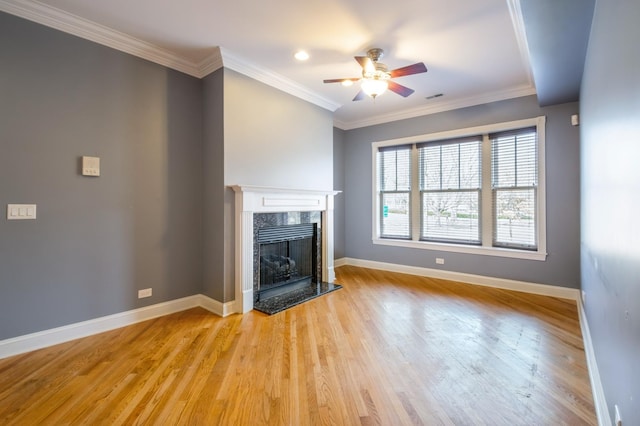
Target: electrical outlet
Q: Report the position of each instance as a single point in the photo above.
(144, 293)
(618, 418)
(439, 261)
(584, 297)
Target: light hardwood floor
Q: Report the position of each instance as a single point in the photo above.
(387, 349)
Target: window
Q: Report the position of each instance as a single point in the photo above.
(394, 171)
(478, 190)
(450, 190)
(514, 179)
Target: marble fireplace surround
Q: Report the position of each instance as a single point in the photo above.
(259, 199)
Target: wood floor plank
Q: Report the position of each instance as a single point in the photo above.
(387, 349)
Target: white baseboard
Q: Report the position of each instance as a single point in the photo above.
(54, 336)
(218, 308)
(523, 286)
(340, 262)
(599, 400)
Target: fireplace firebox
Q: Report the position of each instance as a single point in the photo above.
(288, 258)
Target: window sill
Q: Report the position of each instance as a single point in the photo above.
(456, 248)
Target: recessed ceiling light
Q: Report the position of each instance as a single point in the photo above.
(347, 83)
(301, 55)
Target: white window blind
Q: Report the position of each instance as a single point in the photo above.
(514, 175)
(450, 186)
(394, 172)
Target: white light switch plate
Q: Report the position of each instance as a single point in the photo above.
(91, 166)
(146, 292)
(21, 211)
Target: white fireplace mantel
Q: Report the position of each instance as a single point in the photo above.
(251, 199)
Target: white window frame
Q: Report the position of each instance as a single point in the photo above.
(486, 248)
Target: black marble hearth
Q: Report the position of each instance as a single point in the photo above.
(287, 300)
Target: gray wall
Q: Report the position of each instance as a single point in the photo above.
(562, 267)
(610, 125)
(213, 161)
(338, 185)
(274, 139)
(96, 240)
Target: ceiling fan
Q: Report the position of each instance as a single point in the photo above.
(376, 77)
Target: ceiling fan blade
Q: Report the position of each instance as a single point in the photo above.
(366, 63)
(362, 60)
(409, 70)
(359, 96)
(340, 80)
(400, 89)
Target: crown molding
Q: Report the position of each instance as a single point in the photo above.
(72, 24)
(515, 92)
(55, 18)
(89, 30)
(210, 64)
(521, 37)
(275, 80)
(222, 57)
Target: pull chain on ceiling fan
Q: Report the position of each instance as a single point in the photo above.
(376, 78)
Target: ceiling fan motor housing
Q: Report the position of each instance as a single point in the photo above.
(375, 54)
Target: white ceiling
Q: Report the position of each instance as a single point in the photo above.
(474, 50)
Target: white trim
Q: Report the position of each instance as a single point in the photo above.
(54, 336)
(244, 256)
(599, 400)
(460, 248)
(210, 64)
(485, 98)
(41, 339)
(502, 283)
(521, 37)
(341, 262)
(275, 80)
(541, 128)
(467, 131)
(216, 307)
(72, 24)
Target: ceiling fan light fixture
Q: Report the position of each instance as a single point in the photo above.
(374, 87)
(301, 55)
(376, 77)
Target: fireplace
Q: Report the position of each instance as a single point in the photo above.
(259, 208)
